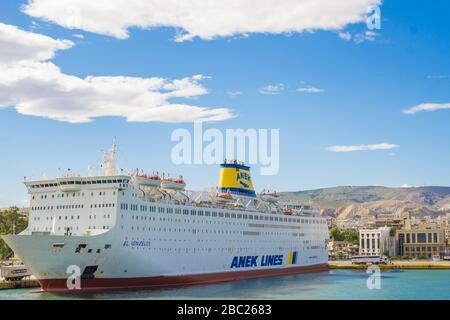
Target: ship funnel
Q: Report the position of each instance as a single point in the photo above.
(235, 178)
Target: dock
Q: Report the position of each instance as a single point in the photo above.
(399, 265)
(20, 284)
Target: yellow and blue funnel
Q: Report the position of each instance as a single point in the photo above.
(235, 178)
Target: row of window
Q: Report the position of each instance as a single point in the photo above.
(72, 206)
(206, 221)
(74, 194)
(80, 182)
(103, 205)
(211, 250)
(69, 228)
(420, 249)
(213, 231)
(105, 216)
(420, 238)
(200, 213)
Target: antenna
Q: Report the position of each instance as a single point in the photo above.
(113, 148)
(109, 164)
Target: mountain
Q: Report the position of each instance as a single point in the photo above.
(444, 203)
(350, 201)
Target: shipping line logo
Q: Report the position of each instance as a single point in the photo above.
(244, 179)
(253, 146)
(264, 261)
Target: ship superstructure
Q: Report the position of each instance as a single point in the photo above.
(143, 230)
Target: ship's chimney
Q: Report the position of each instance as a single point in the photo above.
(235, 178)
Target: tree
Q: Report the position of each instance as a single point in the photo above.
(337, 234)
(11, 221)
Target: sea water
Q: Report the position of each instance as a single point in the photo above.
(333, 284)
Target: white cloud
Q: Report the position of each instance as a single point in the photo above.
(345, 36)
(439, 76)
(200, 18)
(310, 89)
(407, 186)
(234, 93)
(358, 37)
(392, 154)
(18, 45)
(368, 147)
(36, 86)
(365, 36)
(272, 89)
(427, 107)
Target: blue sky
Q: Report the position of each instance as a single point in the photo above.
(366, 85)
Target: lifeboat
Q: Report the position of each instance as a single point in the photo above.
(287, 211)
(147, 180)
(224, 197)
(173, 184)
(271, 197)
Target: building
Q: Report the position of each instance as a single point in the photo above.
(422, 241)
(376, 242)
(352, 224)
(389, 220)
(445, 224)
(341, 250)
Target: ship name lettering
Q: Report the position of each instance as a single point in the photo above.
(272, 260)
(244, 262)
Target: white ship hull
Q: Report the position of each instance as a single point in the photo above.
(148, 249)
(112, 232)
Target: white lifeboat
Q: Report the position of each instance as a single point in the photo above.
(271, 197)
(173, 184)
(147, 180)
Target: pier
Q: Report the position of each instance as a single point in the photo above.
(30, 282)
(400, 264)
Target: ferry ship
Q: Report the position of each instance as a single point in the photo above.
(135, 231)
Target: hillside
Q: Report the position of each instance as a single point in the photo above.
(348, 201)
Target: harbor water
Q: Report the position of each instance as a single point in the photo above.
(334, 284)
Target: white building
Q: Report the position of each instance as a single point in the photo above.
(375, 242)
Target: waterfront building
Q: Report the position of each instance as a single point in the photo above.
(422, 241)
(445, 224)
(342, 250)
(376, 242)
